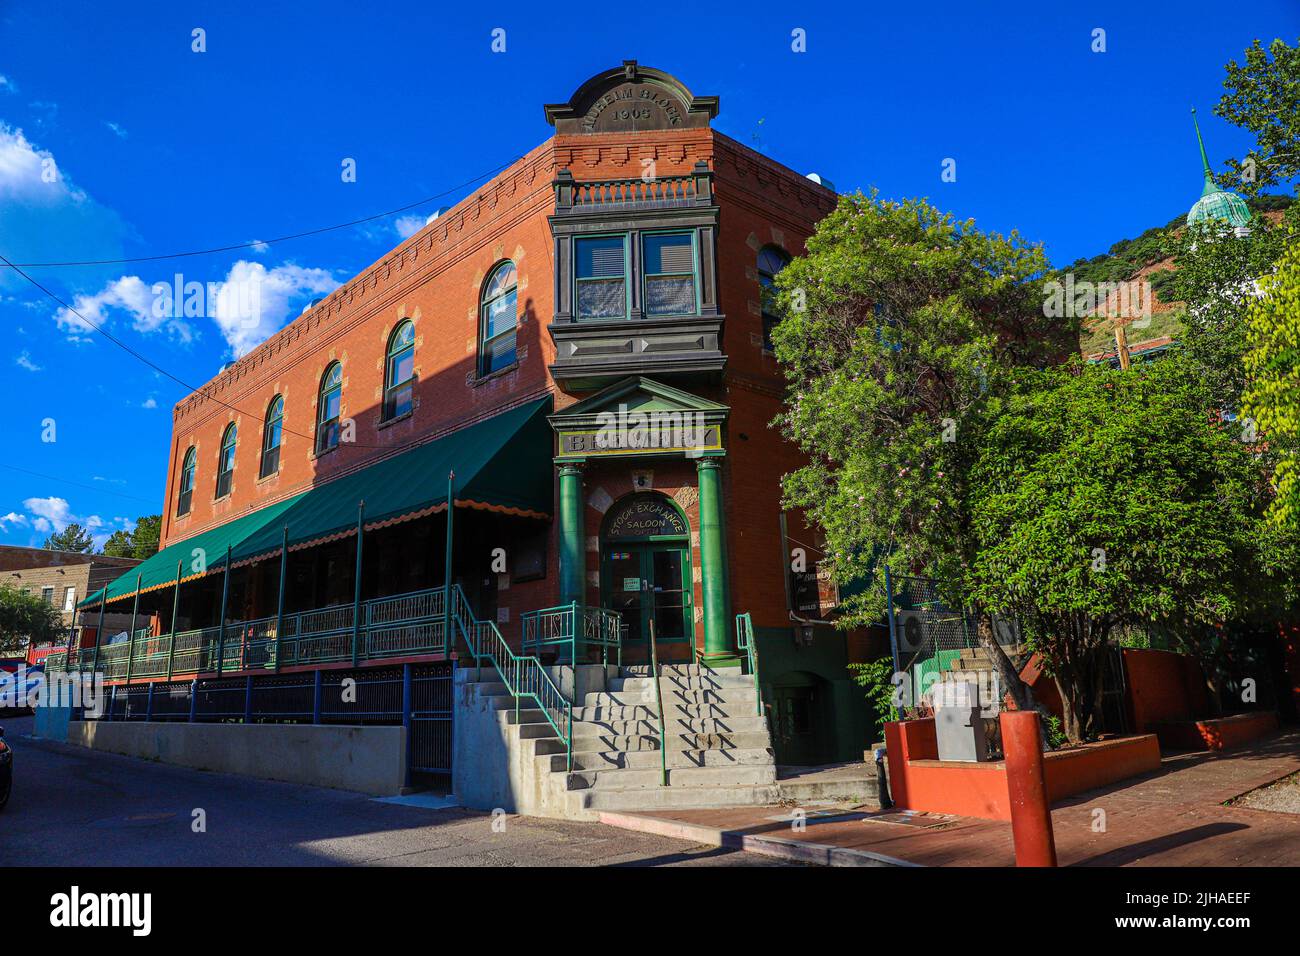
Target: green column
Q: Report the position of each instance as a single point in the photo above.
(573, 546)
(713, 563)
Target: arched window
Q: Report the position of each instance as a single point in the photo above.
(399, 374)
(186, 496)
(226, 461)
(271, 434)
(328, 408)
(771, 260)
(497, 320)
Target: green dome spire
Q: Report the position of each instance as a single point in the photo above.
(1216, 203)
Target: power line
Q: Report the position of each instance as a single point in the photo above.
(261, 242)
(106, 491)
(154, 365)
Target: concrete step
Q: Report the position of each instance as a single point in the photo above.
(557, 761)
(638, 742)
(670, 682)
(645, 696)
(673, 726)
(635, 779)
(673, 798)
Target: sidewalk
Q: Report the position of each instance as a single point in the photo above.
(1175, 817)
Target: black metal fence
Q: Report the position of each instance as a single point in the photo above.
(417, 696)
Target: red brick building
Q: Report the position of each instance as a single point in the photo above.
(615, 271)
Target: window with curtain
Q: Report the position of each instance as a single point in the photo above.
(328, 408)
(497, 319)
(399, 371)
(601, 274)
(226, 461)
(271, 435)
(185, 497)
(669, 270)
(771, 260)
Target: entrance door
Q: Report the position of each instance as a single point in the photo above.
(645, 582)
(796, 725)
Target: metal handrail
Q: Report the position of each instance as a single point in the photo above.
(523, 675)
(745, 642)
(576, 625)
(659, 708)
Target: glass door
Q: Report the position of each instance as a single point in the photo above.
(645, 582)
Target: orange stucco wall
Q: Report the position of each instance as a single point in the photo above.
(919, 781)
(1216, 734)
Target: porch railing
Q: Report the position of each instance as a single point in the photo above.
(394, 626)
(576, 627)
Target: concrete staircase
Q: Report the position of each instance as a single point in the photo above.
(718, 753)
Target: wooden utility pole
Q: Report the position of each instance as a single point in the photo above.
(1121, 344)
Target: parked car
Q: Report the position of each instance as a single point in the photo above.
(6, 770)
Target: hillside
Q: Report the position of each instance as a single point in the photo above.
(1148, 256)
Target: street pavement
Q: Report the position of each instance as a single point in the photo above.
(77, 807)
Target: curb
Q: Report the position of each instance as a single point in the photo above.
(781, 848)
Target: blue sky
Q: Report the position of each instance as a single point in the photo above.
(159, 149)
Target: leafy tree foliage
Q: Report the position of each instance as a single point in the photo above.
(1103, 498)
(25, 617)
(1263, 96)
(141, 542)
(1216, 276)
(1272, 398)
(72, 538)
(902, 329)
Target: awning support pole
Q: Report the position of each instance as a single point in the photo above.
(356, 599)
(99, 634)
(279, 610)
(171, 641)
(449, 640)
(130, 638)
(221, 621)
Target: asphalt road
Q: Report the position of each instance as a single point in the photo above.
(76, 807)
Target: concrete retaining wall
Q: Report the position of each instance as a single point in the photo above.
(366, 759)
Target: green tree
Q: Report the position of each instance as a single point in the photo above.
(1216, 273)
(902, 330)
(140, 542)
(1263, 96)
(72, 538)
(1105, 498)
(25, 618)
(1272, 398)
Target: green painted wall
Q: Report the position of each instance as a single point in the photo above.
(842, 713)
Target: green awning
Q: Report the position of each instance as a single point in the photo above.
(160, 570)
(502, 464)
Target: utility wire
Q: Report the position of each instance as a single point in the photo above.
(154, 365)
(260, 242)
(74, 484)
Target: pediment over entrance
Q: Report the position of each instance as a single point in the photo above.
(631, 98)
(640, 416)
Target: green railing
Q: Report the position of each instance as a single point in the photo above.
(394, 626)
(745, 642)
(523, 674)
(576, 627)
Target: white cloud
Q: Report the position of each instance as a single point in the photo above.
(24, 360)
(255, 302)
(149, 403)
(117, 130)
(7, 85)
(44, 215)
(15, 519)
(50, 511)
(407, 226)
(260, 247)
(127, 294)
